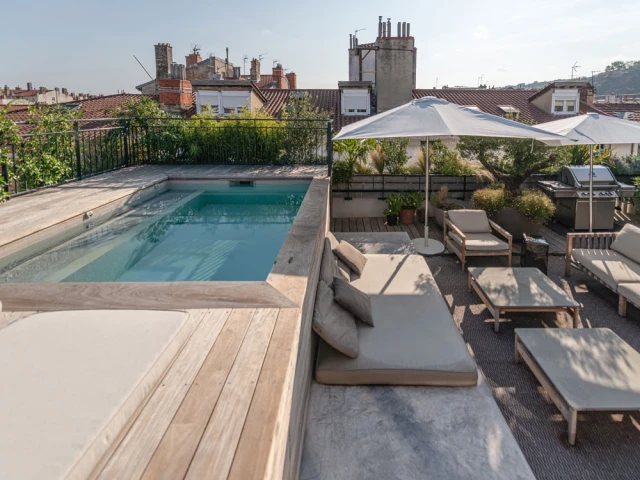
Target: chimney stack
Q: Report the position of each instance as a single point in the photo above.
(388, 27)
(278, 75)
(7, 90)
(29, 86)
(254, 72)
(380, 26)
(408, 29)
(42, 90)
(292, 78)
(351, 40)
(384, 29)
(404, 29)
(64, 91)
(164, 59)
(192, 59)
(399, 29)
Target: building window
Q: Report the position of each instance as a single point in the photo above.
(565, 101)
(558, 106)
(355, 102)
(570, 106)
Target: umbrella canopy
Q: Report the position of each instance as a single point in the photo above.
(434, 117)
(431, 117)
(593, 129)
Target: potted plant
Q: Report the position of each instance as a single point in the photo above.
(410, 202)
(522, 213)
(439, 203)
(394, 204)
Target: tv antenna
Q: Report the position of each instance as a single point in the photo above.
(145, 70)
(574, 69)
(480, 79)
(244, 62)
(195, 48)
(593, 74)
(275, 63)
(262, 55)
(355, 34)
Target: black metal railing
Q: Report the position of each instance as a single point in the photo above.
(87, 147)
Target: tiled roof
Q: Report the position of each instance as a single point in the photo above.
(614, 108)
(90, 108)
(326, 100)
(488, 100)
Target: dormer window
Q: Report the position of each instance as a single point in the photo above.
(510, 111)
(356, 101)
(565, 101)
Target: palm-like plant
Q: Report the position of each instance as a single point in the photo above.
(355, 153)
(377, 159)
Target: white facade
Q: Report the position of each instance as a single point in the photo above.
(565, 101)
(355, 101)
(368, 65)
(222, 102)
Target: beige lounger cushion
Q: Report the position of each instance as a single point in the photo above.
(344, 270)
(72, 380)
(609, 266)
(334, 324)
(334, 241)
(470, 221)
(481, 242)
(414, 342)
(353, 300)
(630, 291)
(351, 256)
(627, 242)
(328, 264)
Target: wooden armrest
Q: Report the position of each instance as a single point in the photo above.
(594, 240)
(500, 230)
(455, 229)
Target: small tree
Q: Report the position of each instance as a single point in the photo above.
(395, 155)
(308, 136)
(510, 161)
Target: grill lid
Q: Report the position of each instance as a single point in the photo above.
(579, 176)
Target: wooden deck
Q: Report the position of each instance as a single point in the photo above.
(557, 244)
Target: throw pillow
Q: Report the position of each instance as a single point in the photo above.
(328, 264)
(351, 256)
(353, 300)
(333, 323)
(627, 242)
(343, 269)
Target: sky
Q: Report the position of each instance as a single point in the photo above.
(88, 46)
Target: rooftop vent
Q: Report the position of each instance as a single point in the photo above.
(472, 107)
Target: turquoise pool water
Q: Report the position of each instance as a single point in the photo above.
(223, 233)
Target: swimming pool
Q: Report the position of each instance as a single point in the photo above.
(189, 232)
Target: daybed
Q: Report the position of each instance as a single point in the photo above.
(414, 341)
(612, 258)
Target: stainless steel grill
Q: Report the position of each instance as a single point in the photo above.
(571, 195)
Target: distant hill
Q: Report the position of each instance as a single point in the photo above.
(618, 78)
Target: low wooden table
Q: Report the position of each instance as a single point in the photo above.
(586, 369)
(519, 290)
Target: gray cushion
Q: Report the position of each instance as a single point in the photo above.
(609, 266)
(334, 324)
(627, 242)
(353, 300)
(480, 242)
(328, 265)
(415, 340)
(343, 270)
(351, 256)
(470, 221)
(333, 240)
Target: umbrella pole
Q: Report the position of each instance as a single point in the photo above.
(590, 188)
(426, 194)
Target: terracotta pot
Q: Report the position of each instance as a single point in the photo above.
(407, 216)
(514, 222)
(392, 220)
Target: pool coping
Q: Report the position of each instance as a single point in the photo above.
(284, 287)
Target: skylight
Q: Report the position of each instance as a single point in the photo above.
(509, 109)
(472, 107)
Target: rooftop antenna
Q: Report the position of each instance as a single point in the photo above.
(574, 69)
(355, 34)
(480, 79)
(262, 55)
(195, 48)
(244, 62)
(593, 72)
(145, 70)
(275, 62)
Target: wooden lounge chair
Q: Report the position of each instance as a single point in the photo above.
(470, 233)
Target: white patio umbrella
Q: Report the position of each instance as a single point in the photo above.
(593, 129)
(434, 117)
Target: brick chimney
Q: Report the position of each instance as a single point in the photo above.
(292, 79)
(29, 86)
(164, 59)
(42, 89)
(7, 90)
(587, 93)
(175, 92)
(278, 76)
(193, 58)
(255, 70)
(65, 91)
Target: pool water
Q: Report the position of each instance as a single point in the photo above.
(222, 233)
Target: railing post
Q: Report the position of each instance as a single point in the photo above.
(76, 129)
(329, 147)
(126, 143)
(464, 188)
(5, 171)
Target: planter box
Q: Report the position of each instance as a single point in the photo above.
(516, 223)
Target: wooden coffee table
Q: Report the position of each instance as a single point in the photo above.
(519, 290)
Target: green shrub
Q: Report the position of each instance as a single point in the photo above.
(411, 200)
(489, 199)
(341, 172)
(627, 165)
(535, 205)
(394, 204)
(395, 155)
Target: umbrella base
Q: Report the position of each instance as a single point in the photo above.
(434, 248)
